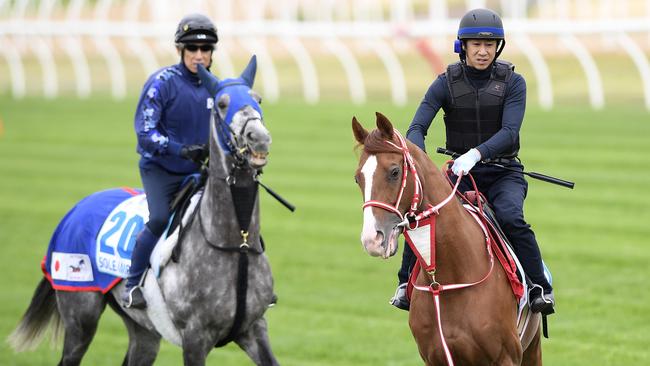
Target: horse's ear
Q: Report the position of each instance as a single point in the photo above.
(384, 126)
(360, 133)
(208, 80)
(249, 72)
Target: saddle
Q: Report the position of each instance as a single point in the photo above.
(500, 243)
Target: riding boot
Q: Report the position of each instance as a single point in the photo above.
(144, 245)
(541, 300)
(400, 299)
(540, 294)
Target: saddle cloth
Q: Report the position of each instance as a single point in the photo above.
(91, 247)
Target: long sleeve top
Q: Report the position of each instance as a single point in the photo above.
(173, 111)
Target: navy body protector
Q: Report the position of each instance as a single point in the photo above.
(474, 115)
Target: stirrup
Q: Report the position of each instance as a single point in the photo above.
(541, 302)
(400, 299)
(134, 298)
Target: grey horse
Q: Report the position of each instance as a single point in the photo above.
(204, 300)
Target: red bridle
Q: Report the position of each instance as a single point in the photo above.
(409, 165)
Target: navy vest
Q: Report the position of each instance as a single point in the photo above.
(474, 116)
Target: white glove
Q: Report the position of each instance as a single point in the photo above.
(465, 163)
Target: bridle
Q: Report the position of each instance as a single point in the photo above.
(235, 144)
(408, 165)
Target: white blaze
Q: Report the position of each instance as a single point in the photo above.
(368, 171)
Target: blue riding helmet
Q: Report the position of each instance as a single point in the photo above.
(480, 24)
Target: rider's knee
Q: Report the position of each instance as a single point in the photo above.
(157, 225)
(511, 219)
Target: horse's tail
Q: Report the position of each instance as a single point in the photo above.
(41, 313)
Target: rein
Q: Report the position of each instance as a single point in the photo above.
(412, 220)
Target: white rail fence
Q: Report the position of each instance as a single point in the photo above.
(37, 29)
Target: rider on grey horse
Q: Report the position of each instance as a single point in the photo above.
(172, 126)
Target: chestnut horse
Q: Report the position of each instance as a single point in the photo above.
(470, 324)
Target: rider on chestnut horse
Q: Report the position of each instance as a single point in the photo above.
(484, 102)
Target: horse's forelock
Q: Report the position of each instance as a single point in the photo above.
(376, 143)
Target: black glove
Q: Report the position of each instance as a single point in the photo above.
(196, 153)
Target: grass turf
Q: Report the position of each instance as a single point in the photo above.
(333, 297)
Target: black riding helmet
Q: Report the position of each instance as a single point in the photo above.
(196, 28)
(480, 24)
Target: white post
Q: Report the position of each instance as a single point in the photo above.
(108, 51)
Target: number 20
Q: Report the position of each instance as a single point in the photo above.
(127, 239)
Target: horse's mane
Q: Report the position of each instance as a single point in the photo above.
(375, 143)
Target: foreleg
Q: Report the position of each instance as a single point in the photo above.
(143, 344)
(255, 342)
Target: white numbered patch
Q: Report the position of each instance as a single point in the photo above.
(421, 239)
(209, 103)
(116, 238)
(71, 267)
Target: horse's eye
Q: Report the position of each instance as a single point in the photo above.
(223, 102)
(394, 173)
(356, 179)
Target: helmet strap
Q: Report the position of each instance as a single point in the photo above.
(500, 47)
(182, 53)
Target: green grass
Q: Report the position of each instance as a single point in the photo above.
(333, 297)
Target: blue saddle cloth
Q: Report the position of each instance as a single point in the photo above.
(91, 247)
